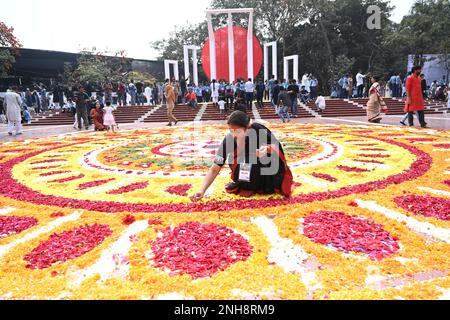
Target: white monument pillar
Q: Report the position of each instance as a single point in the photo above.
(194, 74)
(231, 48)
(212, 47)
(167, 64)
(212, 42)
(274, 60)
(286, 67)
(250, 46)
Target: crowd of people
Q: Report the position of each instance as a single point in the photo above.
(87, 109)
(284, 95)
(242, 94)
(349, 86)
(415, 90)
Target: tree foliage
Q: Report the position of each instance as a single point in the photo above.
(144, 77)
(8, 48)
(95, 66)
(425, 31)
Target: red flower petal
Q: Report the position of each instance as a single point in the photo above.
(67, 245)
(324, 176)
(12, 225)
(352, 169)
(349, 234)
(199, 250)
(180, 189)
(93, 184)
(130, 188)
(425, 206)
(129, 219)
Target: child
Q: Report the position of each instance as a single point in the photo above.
(26, 116)
(221, 104)
(320, 104)
(70, 106)
(108, 117)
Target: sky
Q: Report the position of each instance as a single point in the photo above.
(109, 25)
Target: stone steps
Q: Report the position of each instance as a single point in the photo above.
(339, 108)
(182, 112)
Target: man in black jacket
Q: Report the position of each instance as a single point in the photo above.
(260, 88)
(293, 92)
(82, 102)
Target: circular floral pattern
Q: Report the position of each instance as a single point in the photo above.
(371, 205)
(146, 191)
(184, 157)
(199, 250)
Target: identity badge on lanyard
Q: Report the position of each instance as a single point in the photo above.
(245, 172)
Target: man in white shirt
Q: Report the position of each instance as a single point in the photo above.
(148, 94)
(360, 83)
(215, 92)
(13, 112)
(305, 81)
(249, 92)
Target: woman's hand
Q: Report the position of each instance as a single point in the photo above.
(263, 151)
(197, 197)
(408, 99)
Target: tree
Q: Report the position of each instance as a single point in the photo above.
(172, 48)
(96, 67)
(335, 39)
(144, 77)
(9, 46)
(425, 31)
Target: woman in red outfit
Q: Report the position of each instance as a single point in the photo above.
(97, 117)
(414, 97)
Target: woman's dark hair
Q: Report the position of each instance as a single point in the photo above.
(377, 78)
(239, 118)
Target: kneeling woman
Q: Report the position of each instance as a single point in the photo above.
(256, 158)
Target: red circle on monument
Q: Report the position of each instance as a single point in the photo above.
(240, 54)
